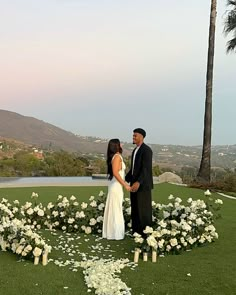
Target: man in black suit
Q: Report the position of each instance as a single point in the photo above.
(141, 182)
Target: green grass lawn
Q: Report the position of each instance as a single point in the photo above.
(212, 267)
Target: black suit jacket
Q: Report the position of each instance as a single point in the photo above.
(142, 168)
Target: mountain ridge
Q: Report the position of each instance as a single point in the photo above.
(43, 135)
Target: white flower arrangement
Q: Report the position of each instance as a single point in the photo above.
(180, 228)
(175, 227)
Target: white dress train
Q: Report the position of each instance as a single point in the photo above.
(113, 220)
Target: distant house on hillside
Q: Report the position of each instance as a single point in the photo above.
(38, 154)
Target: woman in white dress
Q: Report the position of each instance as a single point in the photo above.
(113, 220)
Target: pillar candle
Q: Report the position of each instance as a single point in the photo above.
(154, 256)
(45, 258)
(145, 256)
(136, 256)
(36, 260)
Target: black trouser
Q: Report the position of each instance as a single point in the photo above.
(141, 211)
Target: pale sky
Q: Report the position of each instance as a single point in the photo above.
(102, 68)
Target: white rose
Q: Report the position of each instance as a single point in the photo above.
(161, 243)
(80, 214)
(162, 223)
(178, 200)
(101, 193)
(166, 214)
(99, 218)
(218, 201)
(88, 230)
(93, 203)
(138, 239)
(101, 206)
(40, 212)
(50, 205)
(148, 230)
(199, 221)
(168, 248)
(19, 249)
(152, 242)
(62, 214)
(34, 195)
(71, 220)
(207, 193)
(84, 205)
(173, 242)
(30, 211)
(72, 198)
(55, 213)
(28, 248)
(92, 221)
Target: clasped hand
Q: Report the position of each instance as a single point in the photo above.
(135, 187)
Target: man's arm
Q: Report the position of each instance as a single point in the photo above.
(146, 164)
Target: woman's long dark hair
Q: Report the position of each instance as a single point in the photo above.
(113, 148)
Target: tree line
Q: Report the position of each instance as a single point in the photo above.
(58, 163)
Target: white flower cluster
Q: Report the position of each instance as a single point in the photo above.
(17, 236)
(178, 228)
(71, 216)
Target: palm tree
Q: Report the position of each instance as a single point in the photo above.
(204, 173)
(230, 25)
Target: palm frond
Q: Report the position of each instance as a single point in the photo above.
(231, 45)
(231, 2)
(230, 22)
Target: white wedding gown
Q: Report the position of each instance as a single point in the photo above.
(113, 220)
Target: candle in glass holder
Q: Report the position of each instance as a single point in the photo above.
(136, 255)
(154, 255)
(145, 256)
(45, 258)
(36, 260)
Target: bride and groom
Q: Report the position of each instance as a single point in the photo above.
(138, 181)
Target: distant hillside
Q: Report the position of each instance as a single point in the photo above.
(46, 136)
(31, 131)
